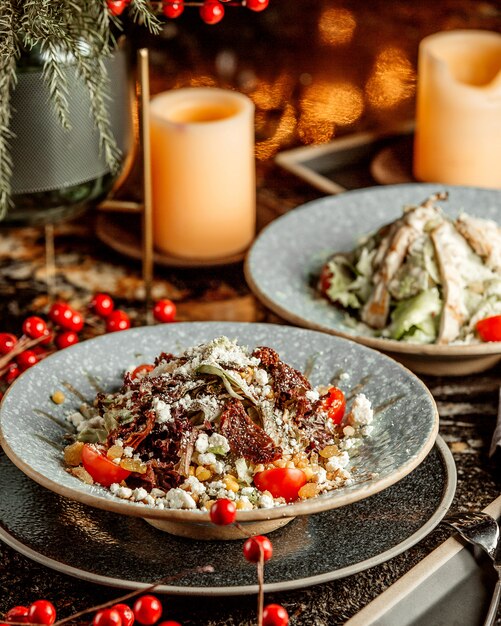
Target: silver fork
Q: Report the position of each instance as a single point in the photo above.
(480, 529)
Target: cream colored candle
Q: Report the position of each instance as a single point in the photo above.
(458, 114)
(203, 172)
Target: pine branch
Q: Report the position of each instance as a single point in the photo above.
(141, 11)
(9, 52)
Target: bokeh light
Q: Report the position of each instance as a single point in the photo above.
(336, 26)
(392, 79)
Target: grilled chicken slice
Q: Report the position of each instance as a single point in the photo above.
(396, 245)
(484, 236)
(453, 313)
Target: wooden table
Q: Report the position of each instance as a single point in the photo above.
(467, 405)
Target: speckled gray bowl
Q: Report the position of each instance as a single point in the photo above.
(32, 426)
(292, 249)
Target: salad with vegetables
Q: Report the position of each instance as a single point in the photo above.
(218, 421)
(424, 278)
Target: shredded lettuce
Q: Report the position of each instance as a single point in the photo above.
(350, 285)
(416, 319)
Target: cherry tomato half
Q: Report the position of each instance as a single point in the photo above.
(141, 370)
(281, 482)
(489, 328)
(101, 468)
(334, 403)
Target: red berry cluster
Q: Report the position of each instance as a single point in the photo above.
(41, 337)
(40, 612)
(255, 549)
(147, 610)
(211, 11)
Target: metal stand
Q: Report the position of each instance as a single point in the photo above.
(50, 262)
(145, 207)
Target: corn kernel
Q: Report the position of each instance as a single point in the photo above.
(309, 490)
(280, 463)
(290, 464)
(209, 503)
(308, 472)
(133, 465)
(329, 451)
(73, 454)
(202, 473)
(231, 484)
(259, 468)
(115, 452)
(58, 397)
(243, 505)
(191, 470)
(302, 464)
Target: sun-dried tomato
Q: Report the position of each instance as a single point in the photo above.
(245, 438)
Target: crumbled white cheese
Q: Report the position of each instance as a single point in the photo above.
(320, 476)
(207, 459)
(218, 467)
(162, 410)
(337, 462)
(124, 492)
(219, 441)
(128, 452)
(193, 485)
(202, 443)
(260, 377)
(266, 501)
(312, 395)
(361, 412)
(179, 499)
(139, 494)
(157, 493)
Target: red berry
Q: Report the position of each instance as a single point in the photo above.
(253, 547)
(77, 322)
(49, 336)
(212, 11)
(7, 342)
(12, 373)
(147, 610)
(117, 320)
(256, 5)
(169, 622)
(17, 614)
(102, 304)
(42, 612)
(116, 7)
(66, 339)
(61, 313)
(164, 311)
(223, 512)
(107, 617)
(173, 9)
(26, 359)
(275, 615)
(126, 613)
(34, 327)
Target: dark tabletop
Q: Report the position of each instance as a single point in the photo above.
(282, 63)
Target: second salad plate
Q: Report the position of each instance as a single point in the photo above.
(285, 261)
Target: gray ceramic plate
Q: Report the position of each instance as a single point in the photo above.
(32, 426)
(292, 249)
(126, 552)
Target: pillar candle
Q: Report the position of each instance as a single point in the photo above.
(203, 172)
(458, 113)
